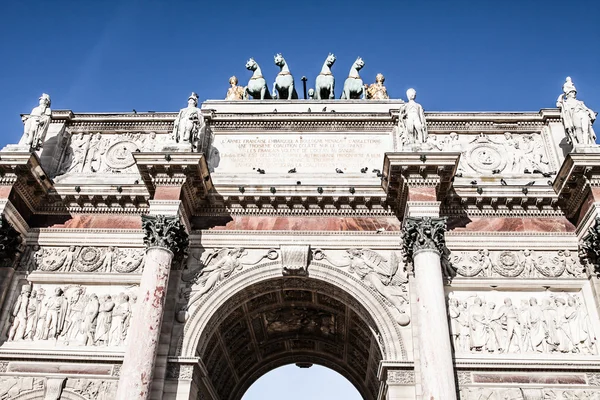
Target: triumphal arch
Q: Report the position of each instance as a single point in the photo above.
(182, 255)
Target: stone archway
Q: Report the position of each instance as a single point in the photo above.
(259, 320)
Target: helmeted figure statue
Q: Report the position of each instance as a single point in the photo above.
(414, 118)
(36, 124)
(188, 122)
(576, 117)
(235, 92)
(377, 91)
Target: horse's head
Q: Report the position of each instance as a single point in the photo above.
(279, 60)
(330, 60)
(251, 65)
(359, 63)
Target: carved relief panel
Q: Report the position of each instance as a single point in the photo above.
(510, 153)
(511, 322)
(46, 315)
(484, 263)
(82, 259)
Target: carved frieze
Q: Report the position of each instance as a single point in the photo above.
(106, 153)
(477, 393)
(494, 154)
(92, 389)
(82, 259)
(509, 264)
(12, 386)
(518, 322)
(50, 315)
(179, 371)
(400, 377)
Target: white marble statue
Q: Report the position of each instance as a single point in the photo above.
(577, 118)
(36, 124)
(414, 119)
(188, 122)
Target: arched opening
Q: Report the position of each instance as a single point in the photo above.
(289, 320)
(300, 382)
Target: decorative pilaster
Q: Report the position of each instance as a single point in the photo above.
(589, 247)
(166, 239)
(423, 245)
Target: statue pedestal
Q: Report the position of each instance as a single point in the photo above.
(17, 148)
(177, 147)
(582, 148)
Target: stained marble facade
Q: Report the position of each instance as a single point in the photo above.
(146, 257)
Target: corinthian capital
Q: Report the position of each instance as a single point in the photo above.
(165, 231)
(423, 233)
(589, 246)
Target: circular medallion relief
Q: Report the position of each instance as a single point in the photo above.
(119, 156)
(89, 260)
(508, 264)
(485, 158)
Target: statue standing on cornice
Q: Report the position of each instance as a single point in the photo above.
(414, 119)
(36, 124)
(188, 122)
(235, 92)
(377, 91)
(577, 118)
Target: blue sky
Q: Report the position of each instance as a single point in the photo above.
(111, 55)
(149, 55)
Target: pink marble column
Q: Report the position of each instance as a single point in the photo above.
(165, 237)
(423, 243)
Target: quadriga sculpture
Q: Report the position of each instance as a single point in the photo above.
(284, 83)
(325, 83)
(257, 85)
(354, 87)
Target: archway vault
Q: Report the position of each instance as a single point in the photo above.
(258, 320)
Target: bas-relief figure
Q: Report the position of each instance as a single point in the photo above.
(541, 323)
(325, 82)
(377, 91)
(234, 92)
(257, 85)
(577, 118)
(36, 124)
(525, 263)
(188, 122)
(71, 317)
(13, 386)
(384, 276)
(353, 86)
(284, 83)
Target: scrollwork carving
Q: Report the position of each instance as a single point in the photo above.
(165, 231)
(510, 264)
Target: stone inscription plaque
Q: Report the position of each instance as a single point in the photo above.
(307, 153)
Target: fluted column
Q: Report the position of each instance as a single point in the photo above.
(423, 244)
(165, 238)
